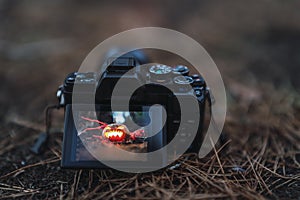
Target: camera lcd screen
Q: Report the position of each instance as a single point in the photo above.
(132, 131)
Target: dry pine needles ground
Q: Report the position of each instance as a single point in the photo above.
(260, 160)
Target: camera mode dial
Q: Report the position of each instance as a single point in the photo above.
(160, 73)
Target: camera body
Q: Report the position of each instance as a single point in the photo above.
(155, 81)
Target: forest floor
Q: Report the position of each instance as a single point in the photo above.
(257, 54)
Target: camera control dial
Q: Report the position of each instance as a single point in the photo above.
(183, 83)
(183, 80)
(181, 70)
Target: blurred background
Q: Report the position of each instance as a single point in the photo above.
(254, 43)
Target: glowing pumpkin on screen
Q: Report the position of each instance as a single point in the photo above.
(115, 132)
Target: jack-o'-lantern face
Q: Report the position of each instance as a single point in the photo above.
(115, 132)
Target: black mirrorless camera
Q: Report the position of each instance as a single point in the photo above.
(120, 127)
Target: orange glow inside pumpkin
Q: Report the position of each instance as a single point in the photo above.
(115, 133)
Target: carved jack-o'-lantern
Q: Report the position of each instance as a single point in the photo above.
(115, 132)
